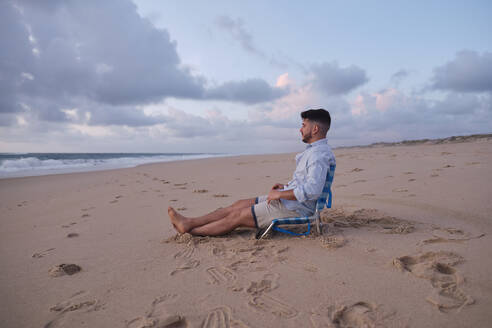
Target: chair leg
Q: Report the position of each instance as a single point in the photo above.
(266, 231)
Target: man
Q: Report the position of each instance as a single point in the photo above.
(297, 198)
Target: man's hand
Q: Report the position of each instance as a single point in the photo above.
(274, 194)
(278, 186)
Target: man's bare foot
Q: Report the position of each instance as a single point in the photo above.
(179, 222)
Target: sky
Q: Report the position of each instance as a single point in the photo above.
(233, 76)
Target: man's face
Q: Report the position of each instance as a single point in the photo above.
(307, 130)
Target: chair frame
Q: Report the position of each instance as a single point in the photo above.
(324, 200)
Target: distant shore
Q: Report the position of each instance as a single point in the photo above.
(452, 139)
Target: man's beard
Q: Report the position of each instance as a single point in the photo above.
(307, 137)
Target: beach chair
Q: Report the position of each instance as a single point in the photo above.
(323, 200)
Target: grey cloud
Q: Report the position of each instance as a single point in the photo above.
(15, 57)
(56, 52)
(238, 32)
(235, 27)
(106, 51)
(64, 54)
(468, 72)
(458, 104)
(250, 91)
(413, 118)
(397, 77)
(123, 115)
(332, 79)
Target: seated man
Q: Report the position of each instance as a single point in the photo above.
(297, 198)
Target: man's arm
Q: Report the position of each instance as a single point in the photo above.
(276, 194)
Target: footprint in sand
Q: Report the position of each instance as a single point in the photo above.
(360, 314)
(274, 306)
(80, 301)
(189, 264)
(158, 315)
(221, 318)
(220, 195)
(185, 253)
(39, 255)
(72, 235)
(438, 268)
(64, 269)
(359, 181)
(368, 195)
(310, 268)
(357, 170)
(439, 239)
(399, 190)
(433, 175)
(200, 191)
(23, 203)
(265, 285)
(333, 242)
(220, 275)
(85, 215)
(218, 250)
(241, 264)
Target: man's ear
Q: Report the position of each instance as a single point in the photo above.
(316, 128)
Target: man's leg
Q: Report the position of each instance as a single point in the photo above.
(236, 218)
(184, 224)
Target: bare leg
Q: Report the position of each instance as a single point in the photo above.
(184, 224)
(237, 218)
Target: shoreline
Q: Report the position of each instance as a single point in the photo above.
(105, 167)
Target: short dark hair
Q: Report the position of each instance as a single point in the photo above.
(321, 116)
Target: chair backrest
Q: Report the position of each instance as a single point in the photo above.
(326, 195)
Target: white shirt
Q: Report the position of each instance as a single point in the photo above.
(312, 166)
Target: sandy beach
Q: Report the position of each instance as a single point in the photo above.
(407, 244)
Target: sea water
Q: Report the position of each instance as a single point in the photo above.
(30, 164)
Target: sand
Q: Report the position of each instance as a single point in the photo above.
(406, 244)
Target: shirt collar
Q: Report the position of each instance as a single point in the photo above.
(317, 143)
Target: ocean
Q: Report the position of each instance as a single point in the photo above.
(31, 164)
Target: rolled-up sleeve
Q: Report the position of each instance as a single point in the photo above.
(312, 186)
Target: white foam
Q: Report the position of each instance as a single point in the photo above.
(29, 166)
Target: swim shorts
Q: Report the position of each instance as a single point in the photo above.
(264, 213)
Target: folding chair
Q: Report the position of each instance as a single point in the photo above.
(320, 205)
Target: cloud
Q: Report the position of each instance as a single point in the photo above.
(468, 72)
(236, 28)
(15, 57)
(392, 115)
(399, 76)
(332, 79)
(102, 58)
(249, 91)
